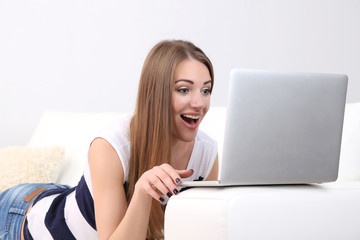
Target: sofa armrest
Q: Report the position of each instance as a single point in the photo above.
(328, 211)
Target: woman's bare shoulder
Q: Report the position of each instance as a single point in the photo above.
(104, 160)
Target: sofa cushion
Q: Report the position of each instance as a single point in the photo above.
(73, 131)
(325, 211)
(29, 165)
(214, 125)
(349, 168)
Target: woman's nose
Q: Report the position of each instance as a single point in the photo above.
(197, 101)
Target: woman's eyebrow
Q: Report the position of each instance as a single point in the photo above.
(191, 82)
(184, 80)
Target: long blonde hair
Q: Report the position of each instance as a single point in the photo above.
(151, 125)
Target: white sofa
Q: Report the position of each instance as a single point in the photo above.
(326, 211)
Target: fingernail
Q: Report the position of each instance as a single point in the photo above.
(177, 180)
(161, 199)
(175, 191)
(169, 194)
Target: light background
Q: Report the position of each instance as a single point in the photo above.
(86, 55)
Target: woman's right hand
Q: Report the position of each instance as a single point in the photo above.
(163, 179)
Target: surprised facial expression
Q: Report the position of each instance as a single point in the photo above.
(190, 98)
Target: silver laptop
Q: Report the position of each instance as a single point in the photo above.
(281, 128)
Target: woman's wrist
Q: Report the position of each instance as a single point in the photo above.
(140, 193)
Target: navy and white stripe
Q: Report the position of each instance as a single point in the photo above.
(62, 214)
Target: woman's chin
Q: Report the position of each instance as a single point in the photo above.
(186, 137)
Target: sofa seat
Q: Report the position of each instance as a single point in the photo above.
(319, 211)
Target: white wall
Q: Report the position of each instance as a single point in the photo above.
(74, 55)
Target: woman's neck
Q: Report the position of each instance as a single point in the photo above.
(181, 153)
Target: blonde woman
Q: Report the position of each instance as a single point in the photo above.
(135, 163)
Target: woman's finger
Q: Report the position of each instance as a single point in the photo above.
(149, 189)
(172, 172)
(162, 180)
(164, 175)
(185, 173)
(159, 185)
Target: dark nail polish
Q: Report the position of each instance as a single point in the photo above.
(177, 180)
(169, 194)
(161, 199)
(175, 191)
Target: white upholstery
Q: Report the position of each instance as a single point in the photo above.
(329, 211)
(73, 131)
(350, 148)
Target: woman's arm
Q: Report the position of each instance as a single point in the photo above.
(213, 175)
(107, 182)
(113, 219)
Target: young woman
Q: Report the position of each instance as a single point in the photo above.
(135, 163)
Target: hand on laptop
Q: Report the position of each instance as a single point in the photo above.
(161, 179)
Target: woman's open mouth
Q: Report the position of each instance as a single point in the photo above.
(190, 119)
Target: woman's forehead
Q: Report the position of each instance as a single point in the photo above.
(191, 70)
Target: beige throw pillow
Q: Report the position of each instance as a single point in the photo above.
(29, 165)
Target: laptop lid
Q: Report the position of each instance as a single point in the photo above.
(283, 127)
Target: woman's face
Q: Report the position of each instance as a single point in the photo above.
(190, 99)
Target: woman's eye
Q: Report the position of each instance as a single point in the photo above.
(205, 91)
(183, 90)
